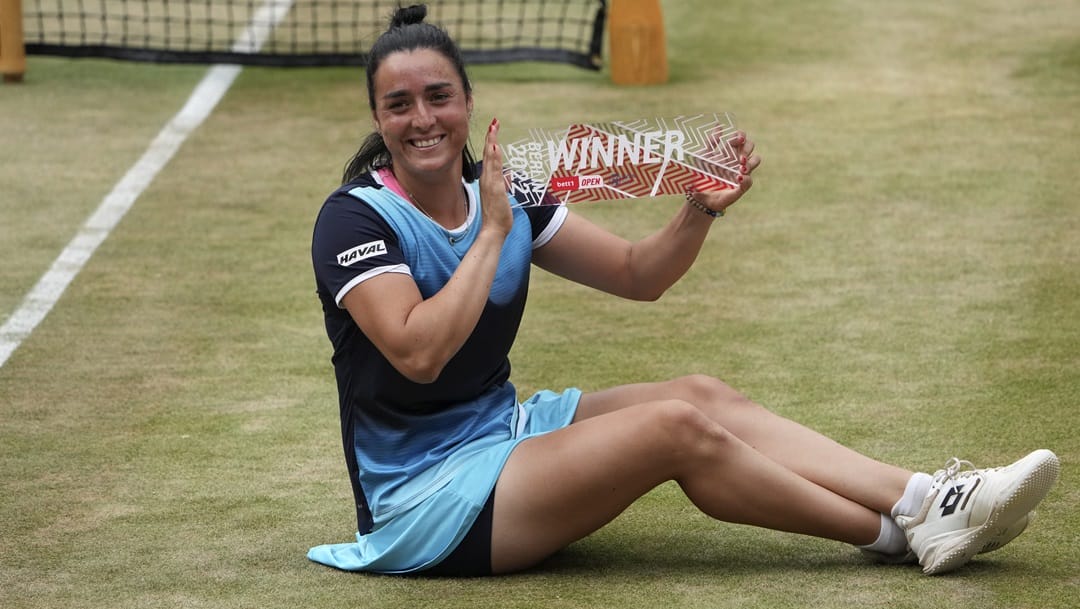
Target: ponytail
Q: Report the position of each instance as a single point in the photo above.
(372, 154)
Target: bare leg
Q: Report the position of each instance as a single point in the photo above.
(561, 486)
(806, 452)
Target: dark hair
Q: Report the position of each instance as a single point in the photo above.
(407, 32)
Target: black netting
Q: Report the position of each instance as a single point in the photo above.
(306, 32)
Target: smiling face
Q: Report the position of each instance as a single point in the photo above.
(422, 111)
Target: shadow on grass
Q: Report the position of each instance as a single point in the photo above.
(664, 558)
(583, 559)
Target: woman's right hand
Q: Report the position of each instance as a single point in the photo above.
(494, 204)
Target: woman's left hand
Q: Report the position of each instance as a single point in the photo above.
(719, 200)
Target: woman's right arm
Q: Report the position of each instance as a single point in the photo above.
(417, 336)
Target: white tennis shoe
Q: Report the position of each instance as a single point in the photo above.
(969, 511)
(995, 543)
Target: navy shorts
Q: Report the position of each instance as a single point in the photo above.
(472, 557)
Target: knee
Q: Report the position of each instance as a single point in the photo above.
(702, 389)
(689, 432)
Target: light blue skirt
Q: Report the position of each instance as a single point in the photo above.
(427, 532)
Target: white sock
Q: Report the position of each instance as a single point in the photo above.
(891, 539)
(914, 494)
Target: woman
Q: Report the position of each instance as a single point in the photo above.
(422, 267)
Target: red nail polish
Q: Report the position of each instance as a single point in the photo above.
(494, 124)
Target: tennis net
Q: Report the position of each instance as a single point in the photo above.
(306, 32)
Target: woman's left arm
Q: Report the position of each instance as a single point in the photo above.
(590, 255)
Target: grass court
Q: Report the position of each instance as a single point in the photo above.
(903, 277)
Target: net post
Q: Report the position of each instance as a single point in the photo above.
(12, 50)
(638, 45)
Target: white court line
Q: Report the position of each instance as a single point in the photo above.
(41, 298)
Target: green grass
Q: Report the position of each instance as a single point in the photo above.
(902, 277)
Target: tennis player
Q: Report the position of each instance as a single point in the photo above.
(422, 267)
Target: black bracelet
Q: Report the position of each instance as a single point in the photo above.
(692, 200)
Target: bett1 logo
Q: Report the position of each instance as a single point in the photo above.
(576, 183)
